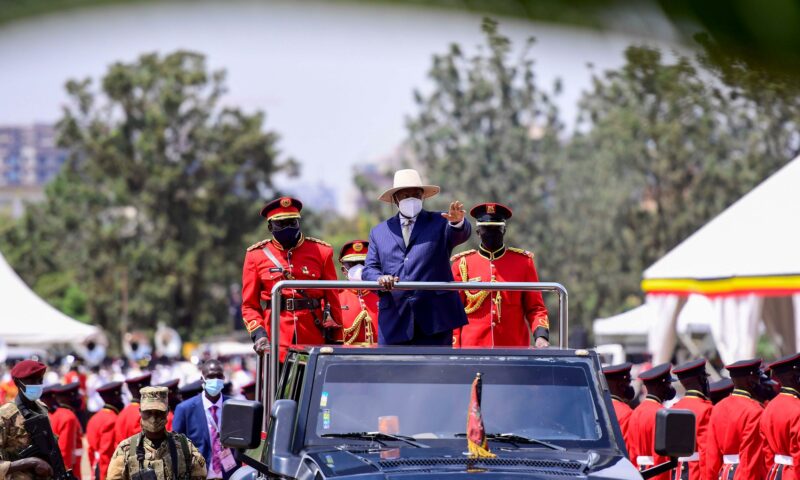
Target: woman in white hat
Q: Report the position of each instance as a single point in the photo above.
(415, 246)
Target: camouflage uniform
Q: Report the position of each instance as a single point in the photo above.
(13, 439)
(125, 462)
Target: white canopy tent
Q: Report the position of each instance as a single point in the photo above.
(746, 263)
(26, 319)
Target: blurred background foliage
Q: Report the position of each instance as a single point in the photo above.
(149, 220)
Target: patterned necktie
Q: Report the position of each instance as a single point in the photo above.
(216, 444)
(407, 223)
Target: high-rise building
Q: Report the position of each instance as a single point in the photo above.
(29, 158)
(28, 155)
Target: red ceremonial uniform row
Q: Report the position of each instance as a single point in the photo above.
(780, 425)
(101, 439)
(67, 428)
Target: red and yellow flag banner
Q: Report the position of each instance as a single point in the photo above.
(476, 434)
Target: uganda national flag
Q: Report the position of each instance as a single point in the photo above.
(476, 435)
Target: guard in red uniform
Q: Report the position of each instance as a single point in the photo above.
(100, 431)
(642, 425)
(618, 378)
(174, 398)
(735, 446)
(129, 422)
(66, 425)
(694, 379)
(503, 319)
(359, 307)
(780, 422)
(719, 390)
(309, 317)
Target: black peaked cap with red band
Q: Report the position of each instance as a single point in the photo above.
(783, 364)
(490, 213)
(110, 387)
(282, 208)
(744, 368)
(692, 368)
(354, 251)
(619, 370)
(659, 373)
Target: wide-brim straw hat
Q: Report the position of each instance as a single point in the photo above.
(407, 178)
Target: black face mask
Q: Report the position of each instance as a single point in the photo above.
(492, 238)
(287, 237)
(670, 393)
(629, 393)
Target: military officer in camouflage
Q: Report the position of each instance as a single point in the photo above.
(155, 454)
(28, 375)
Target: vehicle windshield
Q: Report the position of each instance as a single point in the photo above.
(427, 398)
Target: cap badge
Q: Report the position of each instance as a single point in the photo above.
(358, 246)
(490, 208)
(285, 202)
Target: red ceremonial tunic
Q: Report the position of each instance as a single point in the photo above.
(311, 259)
(354, 303)
(67, 428)
(509, 322)
(735, 429)
(623, 412)
(170, 417)
(780, 425)
(101, 437)
(642, 435)
(701, 407)
(129, 422)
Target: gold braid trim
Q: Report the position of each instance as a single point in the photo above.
(355, 328)
(474, 300)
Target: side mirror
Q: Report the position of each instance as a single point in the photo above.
(675, 433)
(281, 430)
(240, 426)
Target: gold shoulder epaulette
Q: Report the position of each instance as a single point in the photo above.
(462, 254)
(259, 244)
(317, 240)
(520, 251)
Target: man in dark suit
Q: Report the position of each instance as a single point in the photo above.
(199, 417)
(415, 246)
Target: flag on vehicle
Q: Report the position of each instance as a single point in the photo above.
(476, 434)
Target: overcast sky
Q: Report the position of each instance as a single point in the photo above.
(336, 80)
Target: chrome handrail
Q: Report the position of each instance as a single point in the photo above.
(272, 380)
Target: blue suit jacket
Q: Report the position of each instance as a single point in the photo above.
(190, 420)
(426, 259)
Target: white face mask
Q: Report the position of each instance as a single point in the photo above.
(410, 207)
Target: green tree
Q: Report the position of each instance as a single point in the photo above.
(487, 131)
(157, 200)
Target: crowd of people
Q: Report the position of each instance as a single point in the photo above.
(110, 412)
(412, 245)
(747, 426)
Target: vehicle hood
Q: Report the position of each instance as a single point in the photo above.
(413, 463)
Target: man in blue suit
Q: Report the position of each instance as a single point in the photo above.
(199, 418)
(415, 246)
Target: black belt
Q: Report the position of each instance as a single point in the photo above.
(295, 304)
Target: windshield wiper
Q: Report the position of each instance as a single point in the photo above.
(376, 436)
(517, 439)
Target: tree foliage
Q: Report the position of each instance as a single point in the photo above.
(662, 144)
(157, 200)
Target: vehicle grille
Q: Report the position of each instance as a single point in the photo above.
(550, 467)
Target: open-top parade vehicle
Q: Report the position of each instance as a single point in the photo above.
(349, 412)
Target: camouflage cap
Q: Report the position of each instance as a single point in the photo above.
(154, 398)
